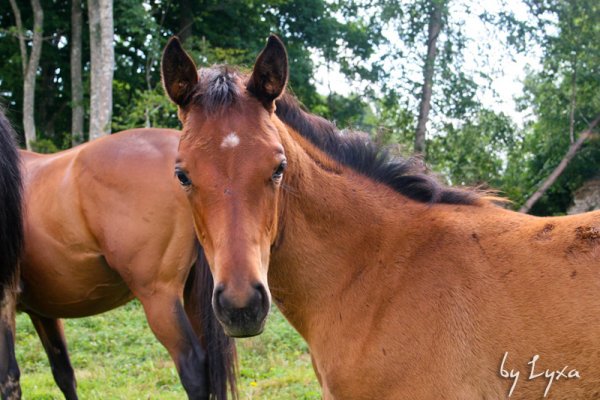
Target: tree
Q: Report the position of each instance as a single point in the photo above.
(573, 149)
(215, 35)
(337, 30)
(429, 42)
(435, 26)
(100, 14)
(564, 97)
(29, 64)
(76, 74)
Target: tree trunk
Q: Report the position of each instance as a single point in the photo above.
(561, 166)
(573, 102)
(76, 74)
(435, 25)
(30, 65)
(186, 20)
(102, 65)
(21, 36)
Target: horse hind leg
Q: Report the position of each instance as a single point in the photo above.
(10, 388)
(52, 335)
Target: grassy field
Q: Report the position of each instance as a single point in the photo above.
(115, 356)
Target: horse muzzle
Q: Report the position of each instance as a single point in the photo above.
(241, 315)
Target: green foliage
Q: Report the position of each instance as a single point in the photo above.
(147, 108)
(115, 356)
(396, 121)
(215, 31)
(569, 79)
(45, 146)
(351, 111)
(475, 153)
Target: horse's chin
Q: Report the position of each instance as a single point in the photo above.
(244, 331)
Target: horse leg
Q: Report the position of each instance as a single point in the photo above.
(10, 388)
(167, 319)
(52, 335)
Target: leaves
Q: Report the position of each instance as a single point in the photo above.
(571, 56)
(219, 32)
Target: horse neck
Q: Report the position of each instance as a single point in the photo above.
(333, 224)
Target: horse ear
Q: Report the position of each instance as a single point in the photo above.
(270, 73)
(179, 75)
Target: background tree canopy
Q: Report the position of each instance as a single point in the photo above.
(404, 58)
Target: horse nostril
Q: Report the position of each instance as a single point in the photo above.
(218, 296)
(262, 295)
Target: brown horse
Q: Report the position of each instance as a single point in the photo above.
(11, 244)
(402, 287)
(106, 222)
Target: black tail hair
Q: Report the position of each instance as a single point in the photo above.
(11, 220)
(220, 348)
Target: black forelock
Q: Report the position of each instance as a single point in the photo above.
(218, 88)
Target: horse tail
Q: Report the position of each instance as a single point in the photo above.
(11, 220)
(220, 348)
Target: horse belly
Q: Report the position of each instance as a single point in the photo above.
(71, 290)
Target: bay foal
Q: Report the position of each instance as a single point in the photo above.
(403, 288)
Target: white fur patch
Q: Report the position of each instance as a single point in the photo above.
(230, 141)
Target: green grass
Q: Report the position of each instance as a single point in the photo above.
(115, 356)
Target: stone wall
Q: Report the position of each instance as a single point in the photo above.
(586, 198)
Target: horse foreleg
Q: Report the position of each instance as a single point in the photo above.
(167, 319)
(9, 369)
(52, 335)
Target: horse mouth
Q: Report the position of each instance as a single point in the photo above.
(240, 333)
(241, 324)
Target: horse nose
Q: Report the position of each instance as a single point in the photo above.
(241, 312)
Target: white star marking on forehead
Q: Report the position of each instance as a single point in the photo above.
(230, 141)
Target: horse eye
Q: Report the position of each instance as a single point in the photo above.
(278, 174)
(183, 178)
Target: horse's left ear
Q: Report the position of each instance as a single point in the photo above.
(178, 72)
(270, 73)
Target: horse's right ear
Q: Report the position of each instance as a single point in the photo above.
(270, 73)
(179, 74)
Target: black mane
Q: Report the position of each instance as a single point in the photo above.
(219, 87)
(357, 151)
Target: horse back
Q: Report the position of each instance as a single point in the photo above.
(460, 288)
(497, 285)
